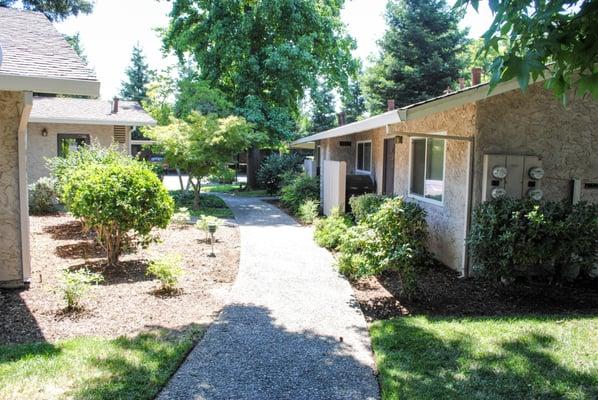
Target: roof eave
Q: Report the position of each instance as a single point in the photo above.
(83, 121)
(73, 87)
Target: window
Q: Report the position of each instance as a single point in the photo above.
(364, 156)
(427, 168)
(68, 143)
(140, 146)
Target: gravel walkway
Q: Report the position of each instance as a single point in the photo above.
(292, 328)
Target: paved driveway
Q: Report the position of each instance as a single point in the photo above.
(292, 329)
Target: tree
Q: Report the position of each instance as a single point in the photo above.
(138, 76)
(55, 10)
(353, 102)
(263, 54)
(322, 113)
(473, 56)
(420, 53)
(196, 94)
(554, 39)
(75, 42)
(201, 145)
(158, 97)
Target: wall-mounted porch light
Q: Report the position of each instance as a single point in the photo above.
(44, 132)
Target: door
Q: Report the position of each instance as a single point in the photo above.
(389, 167)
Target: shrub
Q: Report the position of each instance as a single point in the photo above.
(364, 205)
(308, 211)
(394, 237)
(75, 285)
(329, 231)
(205, 221)
(298, 191)
(181, 217)
(270, 173)
(42, 196)
(226, 176)
(121, 199)
(512, 238)
(167, 270)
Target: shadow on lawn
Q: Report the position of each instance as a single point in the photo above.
(418, 362)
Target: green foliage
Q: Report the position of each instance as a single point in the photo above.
(353, 102)
(473, 56)
(42, 196)
(181, 217)
(394, 237)
(510, 238)
(196, 94)
(272, 170)
(121, 198)
(210, 204)
(364, 205)
(322, 114)
(225, 176)
(308, 211)
(298, 191)
(138, 77)
(159, 93)
(329, 231)
(75, 42)
(420, 54)
(267, 53)
(167, 270)
(553, 39)
(54, 10)
(75, 285)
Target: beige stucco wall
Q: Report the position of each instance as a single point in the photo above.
(41, 147)
(11, 106)
(535, 123)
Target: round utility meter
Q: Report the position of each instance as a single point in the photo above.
(536, 173)
(497, 193)
(535, 194)
(499, 172)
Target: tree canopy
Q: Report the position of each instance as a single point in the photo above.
(263, 54)
(75, 42)
(138, 77)
(55, 10)
(353, 102)
(322, 115)
(556, 39)
(420, 53)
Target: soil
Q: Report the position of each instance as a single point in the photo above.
(128, 301)
(441, 292)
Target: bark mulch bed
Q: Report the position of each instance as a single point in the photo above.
(441, 292)
(126, 303)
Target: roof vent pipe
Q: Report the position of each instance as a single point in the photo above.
(341, 117)
(390, 104)
(476, 76)
(115, 105)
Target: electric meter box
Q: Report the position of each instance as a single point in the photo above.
(513, 176)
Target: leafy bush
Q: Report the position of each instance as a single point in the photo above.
(121, 199)
(185, 199)
(511, 238)
(272, 169)
(75, 285)
(42, 196)
(181, 217)
(226, 176)
(205, 221)
(394, 237)
(329, 231)
(364, 205)
(298, 191)
(167, 270)
(308, 211)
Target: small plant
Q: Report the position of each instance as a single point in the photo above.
(204, 222)
(298, 191)
(181, 217)
(167, 270)
(273, 168)
(330, 231)
(308, 211)
(225, 176)
(42, 196)
(75, 285)
(364, 205)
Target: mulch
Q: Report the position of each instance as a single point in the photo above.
(127, 301)
(442, 293)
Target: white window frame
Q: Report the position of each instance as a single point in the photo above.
(363, 171)
(417, 196)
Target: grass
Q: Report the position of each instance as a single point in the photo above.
(487, 358)
(93, 368)
(209, 204)
(235, 189)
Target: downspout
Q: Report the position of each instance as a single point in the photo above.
(23, 193)
(466, 256)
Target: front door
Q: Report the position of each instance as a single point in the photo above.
(389, 166)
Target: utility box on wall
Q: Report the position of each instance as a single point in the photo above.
(512, 176)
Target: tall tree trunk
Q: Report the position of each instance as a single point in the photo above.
(253, 159)
(196, 193)
(178, 171)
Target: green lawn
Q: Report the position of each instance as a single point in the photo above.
(93, 368)
(487, 358)
(209, 204)
(234, 189)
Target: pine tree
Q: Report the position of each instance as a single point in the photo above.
(139, 75)
(322, 115)
(353, 102)
(420, 53)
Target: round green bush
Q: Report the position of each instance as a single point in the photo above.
(299, 190)
(42, 196)
(272, 169)
(364, 205)
(329, 231)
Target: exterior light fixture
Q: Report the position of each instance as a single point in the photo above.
(44, 132)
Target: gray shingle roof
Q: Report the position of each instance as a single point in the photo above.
(87, 111)
(32, 47)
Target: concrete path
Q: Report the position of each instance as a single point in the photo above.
(292, 328)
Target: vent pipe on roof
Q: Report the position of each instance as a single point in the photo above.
(115, 105)
(390, 104)
(476, 76)
(342, 118)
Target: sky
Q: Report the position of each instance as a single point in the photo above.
(115, 26)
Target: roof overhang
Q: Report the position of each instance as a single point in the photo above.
(49, 85)
(83, 121)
